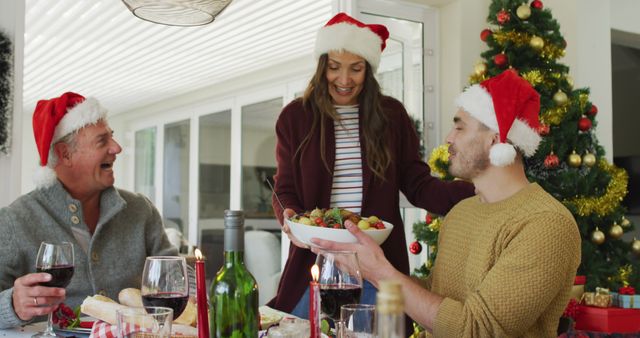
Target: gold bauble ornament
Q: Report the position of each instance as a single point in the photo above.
(569, 80)
(589, 159)
(616, 231)
(635, 246)
(574, 159)
(536, 43)
(523, 12)
(480, 68)
(560, 98)
(625, 222)
(597, 236)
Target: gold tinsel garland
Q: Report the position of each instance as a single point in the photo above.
(435, 225)
(624, 273)
(555, 115)
(583, 99)
(475, 78)
(534, 77)
(439, 153)
(609, 201)
(549, 51)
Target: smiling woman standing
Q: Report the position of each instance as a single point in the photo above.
(344, 144)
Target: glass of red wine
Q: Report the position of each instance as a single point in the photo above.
(340, 281)
(165, 283)
(56, 260)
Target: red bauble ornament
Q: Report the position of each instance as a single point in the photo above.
(428, 219)
(503, 17)
(544, 129)
(593, 110)
(501, 60)
(584, 124)
(551, 161)
(537, 4)
(485, 34)
(415, 248)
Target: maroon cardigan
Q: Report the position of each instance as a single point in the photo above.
(305, 185)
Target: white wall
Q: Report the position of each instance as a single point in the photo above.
(624, 15)
(460, 47)
(586, 26)
(12, 24)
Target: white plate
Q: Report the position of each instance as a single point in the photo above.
(306, 232)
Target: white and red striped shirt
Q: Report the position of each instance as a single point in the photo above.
(346, 190)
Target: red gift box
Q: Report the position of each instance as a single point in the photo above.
(609, 320)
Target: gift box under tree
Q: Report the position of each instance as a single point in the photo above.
(626, 298)
(601, 298)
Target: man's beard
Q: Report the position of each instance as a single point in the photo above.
(470, 163)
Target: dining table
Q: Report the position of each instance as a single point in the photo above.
(269, 317)
(25, 331)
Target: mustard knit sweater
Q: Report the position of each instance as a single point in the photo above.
(506, 268)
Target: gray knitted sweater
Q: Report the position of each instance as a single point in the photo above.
(129, 229)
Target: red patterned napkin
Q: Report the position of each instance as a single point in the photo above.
(102, 329)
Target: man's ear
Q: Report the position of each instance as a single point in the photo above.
(495, 139)
(63, 152)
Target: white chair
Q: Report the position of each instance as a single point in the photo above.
(262, 258)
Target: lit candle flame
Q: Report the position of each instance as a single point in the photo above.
(315, 272)
(198, 254)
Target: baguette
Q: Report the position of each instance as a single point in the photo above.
(100, 309)
(189, 315)
(130, 297)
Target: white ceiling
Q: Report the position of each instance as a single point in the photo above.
(98, 48)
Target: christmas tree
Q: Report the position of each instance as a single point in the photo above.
(569, 163)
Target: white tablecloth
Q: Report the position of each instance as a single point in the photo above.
(25, 332)
(29, 330)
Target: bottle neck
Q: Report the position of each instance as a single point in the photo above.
(234, 238)
(233, 258)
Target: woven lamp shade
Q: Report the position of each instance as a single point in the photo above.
(177, 12)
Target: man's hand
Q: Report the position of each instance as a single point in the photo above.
(30, 299)
(288, 213)
(420, 304)
(374, 266)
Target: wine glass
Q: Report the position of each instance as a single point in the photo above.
(340, 281)
(165, 283)
(56, 260)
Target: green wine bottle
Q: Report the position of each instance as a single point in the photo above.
(234, 292)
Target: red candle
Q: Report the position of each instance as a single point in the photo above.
(314, 302)
(201, 294)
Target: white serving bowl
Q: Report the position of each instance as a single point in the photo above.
(305, 233)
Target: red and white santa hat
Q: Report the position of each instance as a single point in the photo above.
(344, 33)
(55, 118)
(509, 105)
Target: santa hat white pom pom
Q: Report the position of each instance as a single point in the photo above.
(44, 177)
(502, 154)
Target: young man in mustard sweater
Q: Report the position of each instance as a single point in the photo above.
(507, 257)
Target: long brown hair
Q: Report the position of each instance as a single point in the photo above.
(317, 100)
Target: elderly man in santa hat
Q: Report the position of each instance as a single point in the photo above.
(507, 257)
(112, 230)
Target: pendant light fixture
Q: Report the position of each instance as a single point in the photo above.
(177, 12)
